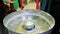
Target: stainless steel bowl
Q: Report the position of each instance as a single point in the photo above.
(29, 21)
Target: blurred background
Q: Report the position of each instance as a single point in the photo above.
(50, 6)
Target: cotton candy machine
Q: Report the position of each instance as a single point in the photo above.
(29, 22)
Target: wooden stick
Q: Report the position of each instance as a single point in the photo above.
(21, 4)
(38, 4)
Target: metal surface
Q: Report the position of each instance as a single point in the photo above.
(29, 21)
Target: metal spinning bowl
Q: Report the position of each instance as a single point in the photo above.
(29, 21)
